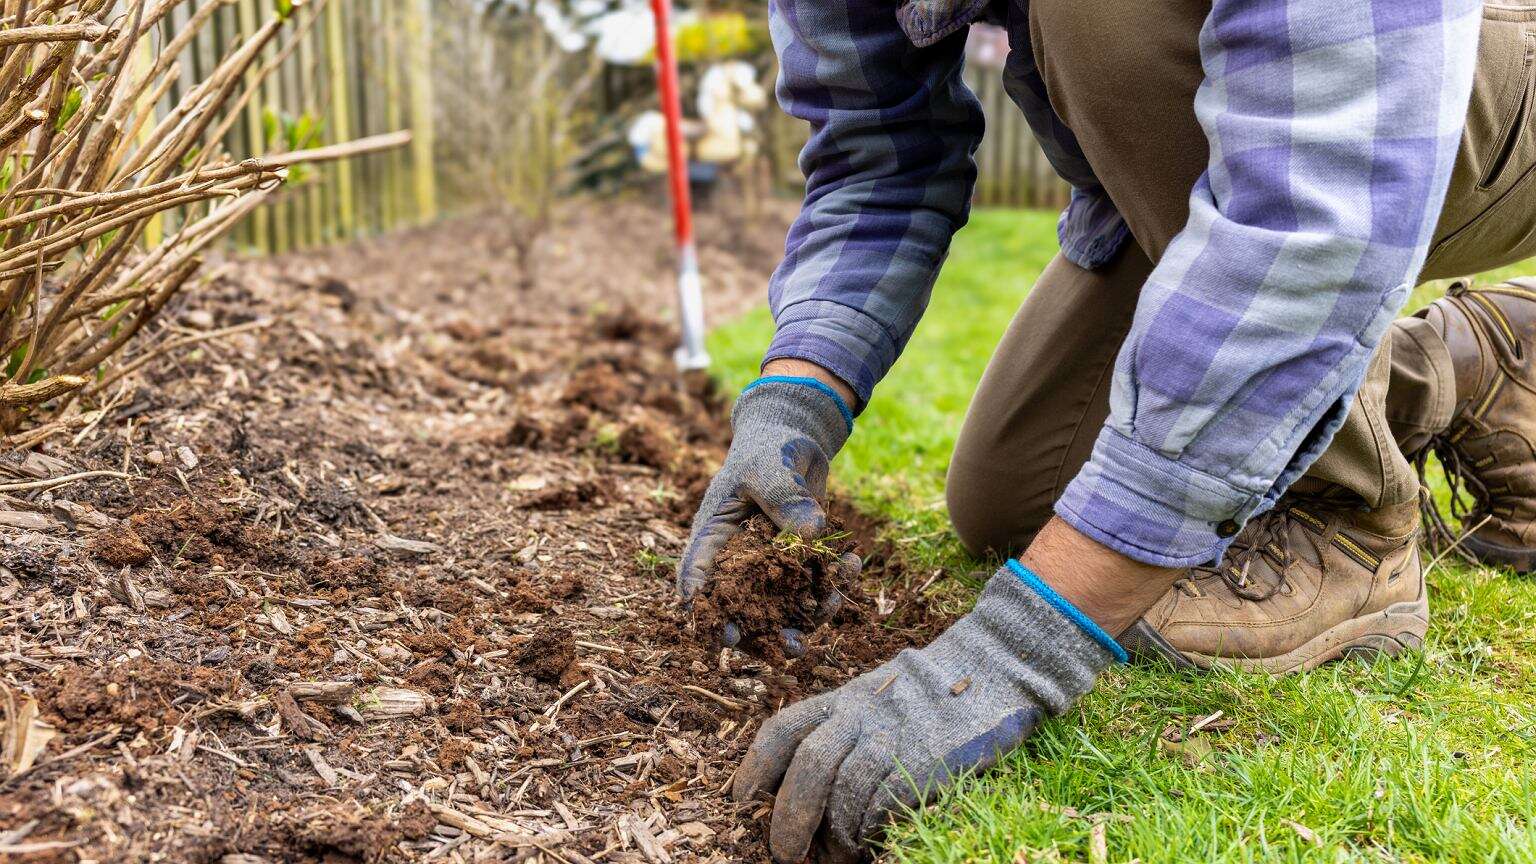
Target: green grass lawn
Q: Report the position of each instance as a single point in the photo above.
(1428, 757)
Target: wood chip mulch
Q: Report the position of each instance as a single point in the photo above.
(387, 575)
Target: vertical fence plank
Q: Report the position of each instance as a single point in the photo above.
(308, 74)
(293, 103)
(275, 104)
(361, 48)
(1011, 169)
(423, 116)
(341, 114)
(143, 61)
(259, 220)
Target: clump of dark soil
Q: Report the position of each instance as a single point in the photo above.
(549, 655)
(765, 583)
(464, 715)
(579, 494)
(533, 595)
(647, 442)
(140, 692)
(121, 547)
(453, 750)
(340, 833)
(597, 387)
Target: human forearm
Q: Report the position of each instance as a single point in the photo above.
(1111, 589)
(889, 175)
(793, 368)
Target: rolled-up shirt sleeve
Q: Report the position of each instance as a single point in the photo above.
(889, 172)
(1333, 129)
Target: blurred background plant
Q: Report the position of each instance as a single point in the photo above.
(114, 178)
(519, 93)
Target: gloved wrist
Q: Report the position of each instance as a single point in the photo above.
(803, 404)
(1030, 637)
(1048, 594)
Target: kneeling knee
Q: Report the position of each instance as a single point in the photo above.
(985, 518)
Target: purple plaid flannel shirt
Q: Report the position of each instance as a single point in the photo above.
(1333, 127)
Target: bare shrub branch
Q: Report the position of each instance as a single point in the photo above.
(87, 163)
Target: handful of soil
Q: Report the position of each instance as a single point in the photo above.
(765, 584)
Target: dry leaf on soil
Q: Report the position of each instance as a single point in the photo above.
(26, 735)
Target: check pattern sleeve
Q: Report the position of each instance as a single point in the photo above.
(1333, 129)
(889, 175)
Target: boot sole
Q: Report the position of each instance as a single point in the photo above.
(1523, 561)
(1389, 632)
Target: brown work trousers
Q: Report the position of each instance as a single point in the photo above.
(1123, 76)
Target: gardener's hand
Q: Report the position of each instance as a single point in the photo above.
(787, 429)
(894, 736)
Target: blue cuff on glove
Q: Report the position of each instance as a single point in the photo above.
(1072, 613)
(842, 407)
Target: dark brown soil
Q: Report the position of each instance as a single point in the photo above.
(549, 654)
(764, 585)
(391, 578)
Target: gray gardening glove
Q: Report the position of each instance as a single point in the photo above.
(893, 737)
(786, 432)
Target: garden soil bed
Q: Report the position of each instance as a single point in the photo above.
(387, 575)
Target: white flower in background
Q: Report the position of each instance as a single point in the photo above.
(626, 36)
(728, 94)
(565, 29)
(647, 137)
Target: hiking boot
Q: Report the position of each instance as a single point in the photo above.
(1490, 447)
(1308, 582)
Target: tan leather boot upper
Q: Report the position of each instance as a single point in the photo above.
(1490, 447)
(1306, 583)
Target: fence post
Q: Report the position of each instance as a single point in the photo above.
(280, 207)
(341, 114)
(246, 12)
(144, 60)
(312, 229)
(418, 29)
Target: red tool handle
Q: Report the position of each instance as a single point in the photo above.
(672, 109)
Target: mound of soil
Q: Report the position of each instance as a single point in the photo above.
(390, 579)
(766, 584)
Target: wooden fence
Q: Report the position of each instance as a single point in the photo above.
(353, 68)
(1012, 171)
(363, 67)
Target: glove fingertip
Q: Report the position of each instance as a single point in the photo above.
(799, 812)
(829, 850)
(801, 516)
(773, 748)
(693, 567)
(830, 605)
(688, 582)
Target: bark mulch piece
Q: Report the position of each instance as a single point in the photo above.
(391, 578)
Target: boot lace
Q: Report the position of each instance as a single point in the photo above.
(1267, 539)
(1441, 532)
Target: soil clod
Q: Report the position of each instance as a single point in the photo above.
(771, 591)
(548, 655)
